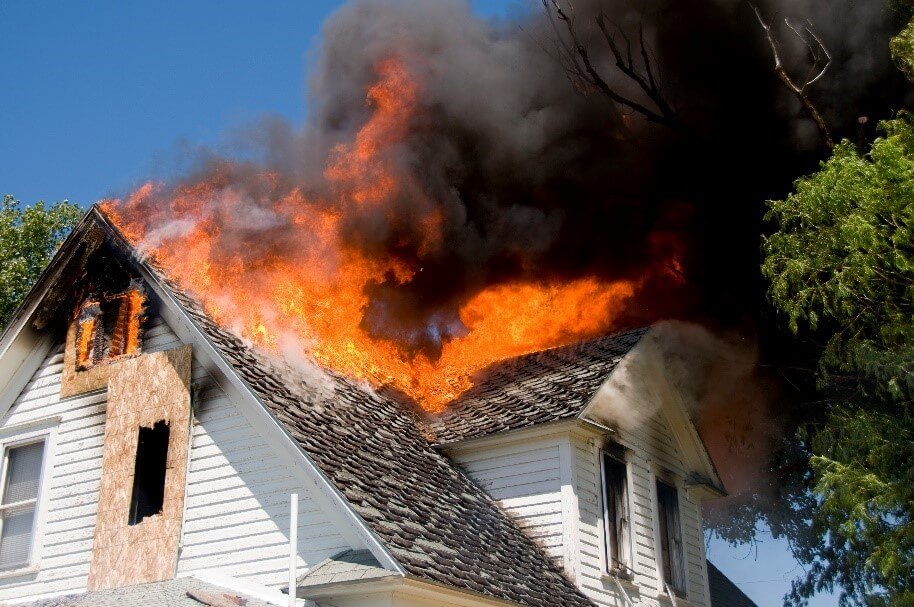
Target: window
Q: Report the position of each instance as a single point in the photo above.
(149, 473)
(21, 479)
(670, 537)
(615, 514)
(108, 327)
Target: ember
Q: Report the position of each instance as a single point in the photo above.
(305, 288)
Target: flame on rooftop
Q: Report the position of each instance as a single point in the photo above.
(278, 264)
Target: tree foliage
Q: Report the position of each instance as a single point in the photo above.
(28, 238)
(841, 265)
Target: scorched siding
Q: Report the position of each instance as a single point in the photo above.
(651, 447)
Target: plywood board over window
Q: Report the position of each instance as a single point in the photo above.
(145, 395)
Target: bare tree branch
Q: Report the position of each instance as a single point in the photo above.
(580, 67)
(819, 55)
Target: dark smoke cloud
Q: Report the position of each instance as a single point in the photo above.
(534, 179)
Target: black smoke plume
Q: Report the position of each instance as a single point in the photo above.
(533, 178)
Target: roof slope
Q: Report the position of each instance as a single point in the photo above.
(725, 593)
(347, 566)
(541, 387)
(437, 523)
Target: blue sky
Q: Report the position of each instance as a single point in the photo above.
(99, 97)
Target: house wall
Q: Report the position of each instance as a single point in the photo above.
(236, 507)
(525, 479)
(650, 448)
(555, 480)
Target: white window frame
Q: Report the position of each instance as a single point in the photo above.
(626, 571)
(44, 430)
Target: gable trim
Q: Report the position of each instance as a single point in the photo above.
(703, 477)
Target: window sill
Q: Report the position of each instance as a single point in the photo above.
(625, 579)
(622, 576)
(679, 600)
(19, 572)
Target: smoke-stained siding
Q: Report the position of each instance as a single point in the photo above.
(237, 511)
(651, 448)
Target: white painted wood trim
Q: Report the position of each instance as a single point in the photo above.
(570, 511)
(19, 379)
(44, 430)
(508, 439)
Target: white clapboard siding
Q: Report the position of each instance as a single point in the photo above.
(69, 491)
(237, 502)
(651, 446)
(526, 483)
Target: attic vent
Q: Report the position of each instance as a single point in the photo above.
(149, 473)
(108, 327)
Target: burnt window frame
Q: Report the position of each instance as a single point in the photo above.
(150, 470)
(100, 309)
(670, 547)
(617, 548)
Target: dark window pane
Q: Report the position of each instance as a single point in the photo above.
(615, 501)
(670, 536)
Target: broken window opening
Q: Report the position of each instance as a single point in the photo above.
(108, 327)
(149, 473)
(615, 514)
(670, 537)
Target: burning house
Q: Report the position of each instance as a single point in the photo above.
(149, 454)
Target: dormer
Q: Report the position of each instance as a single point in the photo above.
(593, 452)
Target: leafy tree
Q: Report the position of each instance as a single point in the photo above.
(28, 238)
(841, 266)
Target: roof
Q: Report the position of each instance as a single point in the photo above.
(347, 566)
(170, 593)
(437, 524)
(546, 386)
(725, 593)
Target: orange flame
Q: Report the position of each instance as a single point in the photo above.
(312, 301)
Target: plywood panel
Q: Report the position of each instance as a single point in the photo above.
(141, 391)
